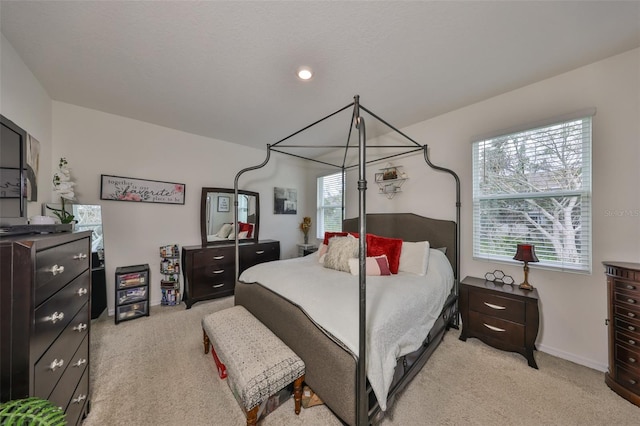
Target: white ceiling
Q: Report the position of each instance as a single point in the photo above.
(226, 70)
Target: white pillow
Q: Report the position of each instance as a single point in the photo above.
(225, 230)
(414, 257)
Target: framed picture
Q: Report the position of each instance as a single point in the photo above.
(120, 188)
(379, 177)
(285, 201)
(223, 203)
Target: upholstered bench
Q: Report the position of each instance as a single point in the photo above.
(256, 363)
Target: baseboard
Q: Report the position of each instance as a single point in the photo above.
(574, 358)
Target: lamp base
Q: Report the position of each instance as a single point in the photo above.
(525, 286)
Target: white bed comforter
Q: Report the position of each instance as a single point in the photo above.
(401, 309)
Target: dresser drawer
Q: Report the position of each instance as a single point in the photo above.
(628, 338)
(631, 313)
(54, 362)
(628, 357)
(254, 254)
(53, 316)
(63, 391)
(499, 307)
(628, 286)
(210, 281)
(78, 401)
(627, 326)
(215, 257)
(508, 332)
(629, 299)
(628, 379)
(56, 266)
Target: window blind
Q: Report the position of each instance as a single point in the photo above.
(534, 186)
(329, 217)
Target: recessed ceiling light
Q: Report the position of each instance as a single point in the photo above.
(304, 73)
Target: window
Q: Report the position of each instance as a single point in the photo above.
(534, 186)
(329, 204)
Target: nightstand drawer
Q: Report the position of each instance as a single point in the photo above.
(500, 307)
(490, 326)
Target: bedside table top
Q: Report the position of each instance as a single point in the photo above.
(500, 287)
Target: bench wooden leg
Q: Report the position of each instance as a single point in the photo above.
(252, 416)
(205, 341)
(297, 393)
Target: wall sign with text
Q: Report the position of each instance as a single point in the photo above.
(141, 190)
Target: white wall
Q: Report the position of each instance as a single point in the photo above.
(26, 103)
(96, 143)
(573, 306)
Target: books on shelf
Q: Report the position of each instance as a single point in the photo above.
(170, 269)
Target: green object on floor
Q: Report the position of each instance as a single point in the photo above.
(32, 412)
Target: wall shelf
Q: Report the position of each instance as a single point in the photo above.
(390, 181)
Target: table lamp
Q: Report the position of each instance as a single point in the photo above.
(526, 253)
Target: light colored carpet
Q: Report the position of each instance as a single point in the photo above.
(152, 371)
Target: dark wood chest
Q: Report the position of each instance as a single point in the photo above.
(210, 271)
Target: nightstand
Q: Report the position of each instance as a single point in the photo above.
(501, 315)
(305, 249)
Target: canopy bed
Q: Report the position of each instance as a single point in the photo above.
(357, 360)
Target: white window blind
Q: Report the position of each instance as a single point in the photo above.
(534, 186)
(329, 204)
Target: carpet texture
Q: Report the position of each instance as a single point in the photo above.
(153, 371)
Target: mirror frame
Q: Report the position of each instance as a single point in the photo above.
(203, 215)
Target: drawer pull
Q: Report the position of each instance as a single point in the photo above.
(631, 300)
(218, 257)
(632, 360)
(632, 382)
(492, 328)
(79, 363)
(631, 287)
(492, 306)
(80, 256)
(56, 364)
(631, 314)
(631, 328)
(57, 316)
(79, 399)
(218, 285)
(82, 291)
(259, 251)
(219, 271)
(80, 327)
(631, 342)
(55, 269)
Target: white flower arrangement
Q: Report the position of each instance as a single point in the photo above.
(63, 187)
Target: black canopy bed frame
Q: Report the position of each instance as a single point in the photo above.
(334, 372)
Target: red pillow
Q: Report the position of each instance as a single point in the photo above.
(248, 227)
(392, 247)
(329, 235)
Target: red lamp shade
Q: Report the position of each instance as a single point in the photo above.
(526, 253)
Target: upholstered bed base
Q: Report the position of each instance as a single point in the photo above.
(331, 370)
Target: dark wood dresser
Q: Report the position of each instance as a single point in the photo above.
(501, 315)
(45, 316)
(623, 289)
(209, 271)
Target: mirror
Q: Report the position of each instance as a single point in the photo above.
(12, 162)
(216, 216)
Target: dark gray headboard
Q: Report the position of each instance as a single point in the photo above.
(410, 227)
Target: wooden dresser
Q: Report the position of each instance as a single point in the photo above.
(501, 315)
(623, 289)
(209, 271)
(45, 316)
